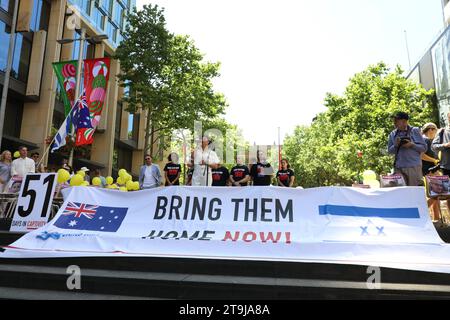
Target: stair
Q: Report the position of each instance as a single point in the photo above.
(170, 278)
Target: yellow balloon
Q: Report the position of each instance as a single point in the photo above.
(16, 154)
(120, 181)
(76, 180)
(96, 181)
(369, 175)
(122, 173)
(130, 185)
(127, 177)
(81, 173)
(135, 185)
(85, 184)
(109, 180)
(63, 175)
(123, 189)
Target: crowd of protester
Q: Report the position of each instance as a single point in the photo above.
(205, 169)
(420, 152)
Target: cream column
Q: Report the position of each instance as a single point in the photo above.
(38, 116)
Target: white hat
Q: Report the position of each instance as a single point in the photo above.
(84, 169)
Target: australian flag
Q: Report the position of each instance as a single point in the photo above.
(81, 216)
(80, 115)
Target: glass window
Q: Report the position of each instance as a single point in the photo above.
(21, 59)
(115, 32)
(40, 15)
(118, 120)
(98, 17)
(35, 16)
(45, 16)
(4, 4)
(4, 38)
(118, 11)
(130, 126)
(13, 117)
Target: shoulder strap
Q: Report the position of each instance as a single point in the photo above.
(441, 136)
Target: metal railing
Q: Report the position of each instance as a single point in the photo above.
(8, 204)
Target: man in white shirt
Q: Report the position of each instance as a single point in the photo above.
(205, 159)
(22, 165)
(149, 174)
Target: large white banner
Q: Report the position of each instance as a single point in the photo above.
(387, 227)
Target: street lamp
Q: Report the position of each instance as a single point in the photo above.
(95, 39)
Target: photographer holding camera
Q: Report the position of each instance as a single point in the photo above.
(407, 144)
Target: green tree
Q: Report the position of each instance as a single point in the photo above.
(168, 80)
(326, 153)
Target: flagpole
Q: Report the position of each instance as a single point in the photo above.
(54, 137)
(78, 84)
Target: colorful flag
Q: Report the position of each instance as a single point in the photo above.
(60, 138)
(81, 121)
(82, 216)
(66, 72)
(96, 75)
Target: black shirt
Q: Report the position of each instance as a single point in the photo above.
(261, 174)
(240, 172)
(220, 177)
(285, 176)
(425, 164)
(172, 170)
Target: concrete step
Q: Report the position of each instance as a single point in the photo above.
(206, 286)
(35, 294)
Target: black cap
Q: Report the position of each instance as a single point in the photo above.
(401, 116)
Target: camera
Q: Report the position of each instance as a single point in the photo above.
(404, 141)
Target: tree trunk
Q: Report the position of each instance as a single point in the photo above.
(147, 132)
(152, 133)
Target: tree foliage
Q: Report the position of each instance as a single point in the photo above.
(167, 77)
(326, 152)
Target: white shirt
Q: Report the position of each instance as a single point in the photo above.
(20, 167)
(200, 175)
(151, 176)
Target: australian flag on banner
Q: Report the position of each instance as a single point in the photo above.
(81, 216)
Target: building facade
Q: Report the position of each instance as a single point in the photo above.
(446, 11)
(34, 107)
(433, 72)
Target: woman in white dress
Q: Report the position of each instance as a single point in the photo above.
(205, 159)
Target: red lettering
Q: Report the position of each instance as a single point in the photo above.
(229, 237)
(252, 234)
(269, 237)
(288, 237)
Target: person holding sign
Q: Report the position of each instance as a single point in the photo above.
(205, 159)
(285, 176)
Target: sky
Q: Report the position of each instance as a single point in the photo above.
(279, 58)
